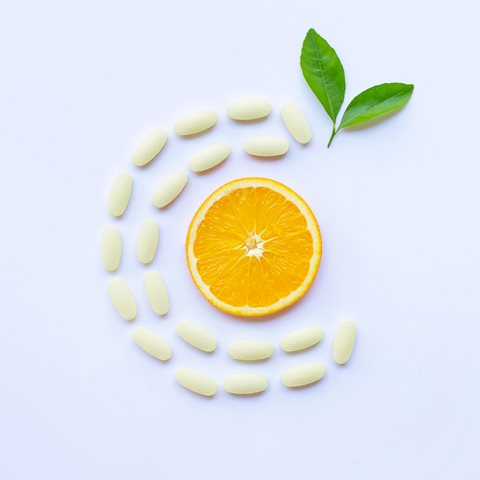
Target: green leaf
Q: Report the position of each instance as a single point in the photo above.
(323, 72)
(376, 101)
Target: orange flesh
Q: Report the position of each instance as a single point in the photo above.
(253, 247)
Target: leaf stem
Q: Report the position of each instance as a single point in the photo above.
(333, 134)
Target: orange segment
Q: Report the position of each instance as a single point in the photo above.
(253, 247)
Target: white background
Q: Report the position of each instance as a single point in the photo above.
(81, 83)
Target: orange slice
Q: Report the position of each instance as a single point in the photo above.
(253, 247)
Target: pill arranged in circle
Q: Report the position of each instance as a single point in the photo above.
(251, 350)
(197, 336)
(246, 384)
(111, 248)
(209, 157)
(149, 147)
(303, 375)
(249, 109)
(147, 241)
(122, 298)
(157, 293)
(301, 339)
(120, 194)
(196, 381)
(152, 343)
(344, 342)
(266, 146)
(195, 122)
(296, 123)
(169, 189)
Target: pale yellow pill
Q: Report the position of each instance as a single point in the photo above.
(249, 109)
(122, 298)
(147, 241)
(301, 339)
(303, 375)
(152, 343)
(344, 342)
(157, 293)
(250, 350)
(197, 336)
(120, 194)
(149, 147)
(266, 146)
(246, 383)
(296, 123)
(111, 248)
(209, 157)
(196, 381)
(169, 189)
(195, 122)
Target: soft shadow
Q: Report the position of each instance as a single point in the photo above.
(372, 123)
(250, 122)
(166, 207)
(306, 386)
(196, 135)
(301, 351)
(165, 148)
(263, 360)
(268, 159)
(212, 169)
(242, 395)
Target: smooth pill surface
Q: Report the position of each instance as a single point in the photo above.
(301, 339)
(111, 248)
(266, 146)
(249, 109)
(196, 381)
(344, 342)
(122, 298)
(152, 343)
(246, 384)
(120, 194)
(169, 189)
(157, 293)
(303, 375)
(195, 122)
(149, 147)
(296, 123)
(250, 350)
(197, 336)
(209, 157)
(147, 241)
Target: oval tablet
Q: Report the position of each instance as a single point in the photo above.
(111, 248)
(303, 375)
(152, 343)
(169, 189)
(122, 298)
(246, 384)
(209, 157)
(250, 350)
(147, 241)
(266, 146)
(197, 336)
(120, 194)
(296, 123)
(157, 293)
(196, 381)
(344, 342)
(149, 147)
(195, 122)
(301, 339)
(249, 109)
